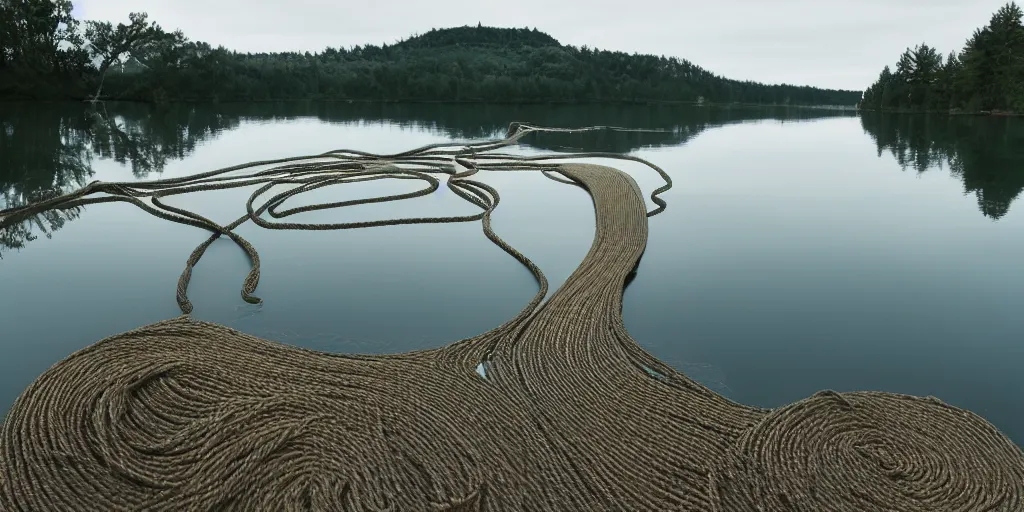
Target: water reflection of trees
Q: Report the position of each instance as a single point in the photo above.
(48, 149)
(680, 123)
(985, 153)
(42, 152)
(146, 138)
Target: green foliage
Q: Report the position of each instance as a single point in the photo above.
(988, 75)
(457, 64)
(109, 44)
(461, 64)
(40, 49)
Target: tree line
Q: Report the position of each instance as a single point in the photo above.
(46, 53)
(986, 76)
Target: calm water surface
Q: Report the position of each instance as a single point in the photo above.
(801, 250)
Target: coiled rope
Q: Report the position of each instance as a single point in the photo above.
(568, 414)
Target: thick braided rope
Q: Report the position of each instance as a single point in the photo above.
(569, 414)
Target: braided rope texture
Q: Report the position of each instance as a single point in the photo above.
(558, 409)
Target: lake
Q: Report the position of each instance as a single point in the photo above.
(801, 249)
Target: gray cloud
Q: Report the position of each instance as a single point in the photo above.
(826, 43)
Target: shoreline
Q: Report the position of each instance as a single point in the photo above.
(979, 113)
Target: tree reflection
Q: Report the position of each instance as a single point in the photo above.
(146, 138)
(48, 149)
(43, 151)
(985, 153)
(678, 123)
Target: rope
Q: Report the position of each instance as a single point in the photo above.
(567, 413)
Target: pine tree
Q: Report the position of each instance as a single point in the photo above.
(988, 75)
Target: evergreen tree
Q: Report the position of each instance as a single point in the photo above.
(988, 75)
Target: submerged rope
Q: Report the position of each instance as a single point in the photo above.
(569, 413)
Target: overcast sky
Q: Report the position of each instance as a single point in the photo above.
(825, 43)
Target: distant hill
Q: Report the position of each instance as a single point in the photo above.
(461, 64)
(480, 36)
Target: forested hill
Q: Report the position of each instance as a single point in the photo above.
(455, 64)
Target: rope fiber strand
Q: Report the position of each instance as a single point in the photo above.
(568, 414)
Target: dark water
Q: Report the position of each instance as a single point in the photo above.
(801, 249)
